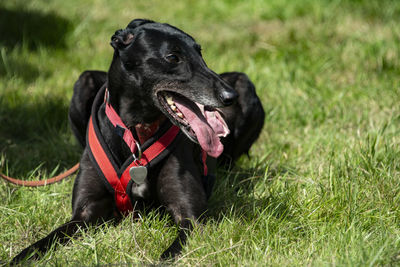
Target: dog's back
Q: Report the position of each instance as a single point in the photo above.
(85, 90)
(245, 118)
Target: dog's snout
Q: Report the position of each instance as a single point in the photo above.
(228, 97)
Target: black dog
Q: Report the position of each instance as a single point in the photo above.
(157, 75)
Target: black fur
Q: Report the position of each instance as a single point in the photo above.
(150, 57)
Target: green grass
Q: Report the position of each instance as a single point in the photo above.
(322, 186)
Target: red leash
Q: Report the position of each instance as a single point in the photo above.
(52, 180)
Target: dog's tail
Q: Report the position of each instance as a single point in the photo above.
(52, 180)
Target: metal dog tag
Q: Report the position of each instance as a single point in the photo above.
(138, 174)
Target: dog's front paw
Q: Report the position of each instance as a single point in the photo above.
(24, 256)
(172, 252)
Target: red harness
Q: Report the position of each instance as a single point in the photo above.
(121, 179)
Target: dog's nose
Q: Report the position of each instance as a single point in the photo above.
(227, 97)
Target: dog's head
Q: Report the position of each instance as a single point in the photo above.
(158, 69)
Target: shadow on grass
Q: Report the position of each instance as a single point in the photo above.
(35, 132)
(32, 28)
(10, 67)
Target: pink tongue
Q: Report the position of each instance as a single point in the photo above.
(206, 130)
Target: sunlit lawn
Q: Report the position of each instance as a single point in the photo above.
(322, 184)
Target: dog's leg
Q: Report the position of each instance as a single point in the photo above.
(61, 234)
(92, 204)
(181, 191)
(185, 227)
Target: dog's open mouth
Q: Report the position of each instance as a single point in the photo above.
(202, 124)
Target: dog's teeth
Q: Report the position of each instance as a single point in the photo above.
(169, 100)
(180, 115)
(173, 107)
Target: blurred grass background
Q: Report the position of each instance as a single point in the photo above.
(322, 185)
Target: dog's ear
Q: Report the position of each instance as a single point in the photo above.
(138, 22)
(121, 39)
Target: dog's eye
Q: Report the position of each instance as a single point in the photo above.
(172, 58)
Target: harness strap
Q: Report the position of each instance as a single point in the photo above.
(151, 153)
(120, 183)
(204, 159)
(117, 122)
(121, 199)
